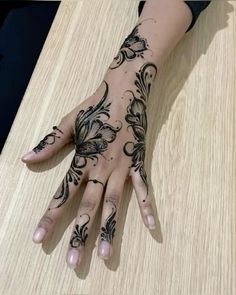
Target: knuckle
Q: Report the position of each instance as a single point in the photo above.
(63, 120)
(88, 204)
(139, 176)
(146, 204)
(113, 197)
(102, 166)
(66, 126)
(138, 180)
(46, 222)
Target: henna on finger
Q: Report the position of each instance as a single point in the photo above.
(96, 181)
(49, 139)
(80, 233)
(108, 230)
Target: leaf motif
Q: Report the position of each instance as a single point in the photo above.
(83, 118)
(144, 78)
(92, 147)
(139, 45)
(139, 133)
(64, 193)
(108, 231)
(132, 47)
(137, 118)
(79, 236)
(49, 139)
(107, 133)
(137, 107)
(92, 136)
(82, 133)
(129, 53)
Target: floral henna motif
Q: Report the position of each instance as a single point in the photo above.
(108, 230)
(145, 77)
(133, 46)
(49, 139)
(92, 136)
(79, 235)
(73, 175)
(137, 119)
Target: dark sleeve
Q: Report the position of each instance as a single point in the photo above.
(24, 26)
(196, 8)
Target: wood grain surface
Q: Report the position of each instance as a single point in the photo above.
(191, 163)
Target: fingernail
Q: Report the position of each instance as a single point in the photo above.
(104, 249)
(28, 156)
(151, 222)
(72, 258)
(39, 235)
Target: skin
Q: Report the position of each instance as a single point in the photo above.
(108, 130)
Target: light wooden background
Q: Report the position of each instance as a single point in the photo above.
(191, 162)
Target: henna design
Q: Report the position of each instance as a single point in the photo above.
(96, 181)
(137, 119)
(108, 230)
(79, 235)
(145, 77)
(133, 46)
(92, 136)
(49, 139)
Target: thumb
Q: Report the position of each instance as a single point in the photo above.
(51, 143)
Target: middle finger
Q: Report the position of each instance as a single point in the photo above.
(86, 213)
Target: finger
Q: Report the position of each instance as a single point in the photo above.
(51, 143)
(84, 220)
(63, 196)
(113, 194)
(139, 181)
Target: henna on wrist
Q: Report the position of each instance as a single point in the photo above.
(133, 47)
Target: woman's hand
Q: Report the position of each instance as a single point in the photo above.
(108, 130)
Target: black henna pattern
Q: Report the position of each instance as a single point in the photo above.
(96, 181)
(92, 135)
(137, 119)
(49, 139)
(133, 47)
(108, 230)
(79, 235)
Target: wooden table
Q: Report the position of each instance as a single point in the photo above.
(191, 162)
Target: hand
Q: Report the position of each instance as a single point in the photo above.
(108, 130)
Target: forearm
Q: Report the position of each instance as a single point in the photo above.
(161, 25)
(173, 18)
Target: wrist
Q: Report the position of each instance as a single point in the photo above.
(133, 65)
(127, 72)
(130, 77)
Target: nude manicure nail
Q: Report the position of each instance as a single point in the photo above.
(104, 249)
(151, 222)
(72, 258)
(28, 156)
(39, 235)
